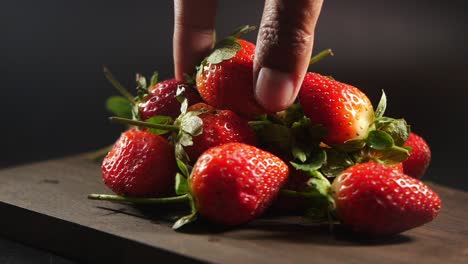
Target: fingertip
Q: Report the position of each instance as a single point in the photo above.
(194, 23)
(275, 90)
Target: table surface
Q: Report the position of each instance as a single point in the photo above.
(44, 205)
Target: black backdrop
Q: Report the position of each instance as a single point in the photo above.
(53, 89)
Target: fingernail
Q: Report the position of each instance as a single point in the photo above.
(274, 89)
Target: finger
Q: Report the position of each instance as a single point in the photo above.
(194, 23)
(284, 47)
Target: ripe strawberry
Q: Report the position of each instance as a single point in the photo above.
(220, 127)
(140, 164)
(200, 107)
(228, 84)
(234, 183)
(399, 167)
(376, 199)
(162, 100)
(342, 109)
(420, 157)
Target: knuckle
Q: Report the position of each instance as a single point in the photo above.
(274, 37)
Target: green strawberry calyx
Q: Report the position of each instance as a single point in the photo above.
(385, 140)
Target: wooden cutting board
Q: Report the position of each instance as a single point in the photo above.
(44, 205)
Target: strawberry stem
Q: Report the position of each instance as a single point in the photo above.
(117, 198)
(110, 77)
(99, 153)
(126, 121)
(323, 54)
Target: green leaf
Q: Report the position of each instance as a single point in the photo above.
(160, 120)
(299, 154)
(191, 124)
(154, 79)
(181, 98)
(180, 90)
(258, 125)
(318, 183)
(119, 106)
(394, 156)
(336, 163)
(410, 149)
(351, 145)
(181, 184)
(305, 167)
(319, 187)
(142, 87)
(379, 122)
(379, 140)
(224, 50)
(180, 152)
(238, 32)
(135, 112)
(382, 106)
(184, 220)
(292, 114)
(314, 163)
(183, 168)
(183, 105)
(141, 81)
(185, 139)
(398, 129)
(190, 79)
(303, 122)
(188, 218)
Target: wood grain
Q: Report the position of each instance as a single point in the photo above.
(45, 205)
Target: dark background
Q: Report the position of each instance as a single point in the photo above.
(53, 90)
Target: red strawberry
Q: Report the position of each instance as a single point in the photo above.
(140, 164)
(344, 110)
(399, 167)
(376, 199)
(220, 127)
(234, 183)
(201, 106)
(162, 100)
(229, 84)
(420, 157)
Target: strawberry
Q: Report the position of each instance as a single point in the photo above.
(161, 99)
(234, 183)
(220, 127)
(375, 199)
(420, 157)
(198, 130)
(201, 107)
(342, 109)
(225, 77)
(140, 164)
(230, 185)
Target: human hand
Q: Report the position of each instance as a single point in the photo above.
(284, 45)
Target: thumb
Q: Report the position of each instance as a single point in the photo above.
(284, 47)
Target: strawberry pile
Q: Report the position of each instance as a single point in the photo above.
(207, 143)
